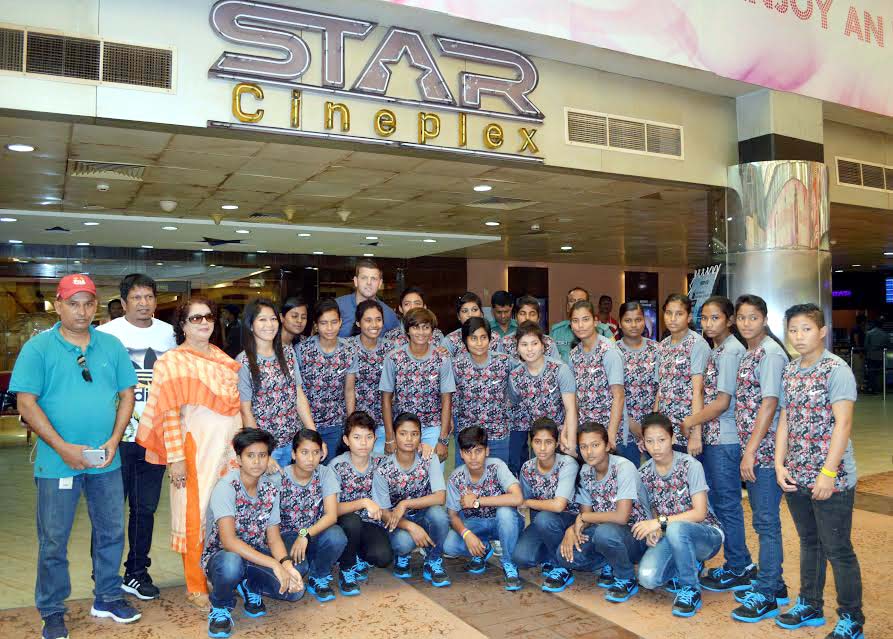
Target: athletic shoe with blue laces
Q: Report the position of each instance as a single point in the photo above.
(722, 579)
(433, 572)
(347, 582)
(510, 573)
(687, 602)
(401, 567)
(361, 569)
(478, 565)
(781, 596)
(802, 614)
(622, 590)
(119, 610)
(220, 622)
(321, 588)
(847, 628)
(557, 579)
(606, 578)
(253, 602)
(756, 607)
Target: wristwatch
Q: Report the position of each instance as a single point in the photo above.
(305, 533)
(445, 441)
(662, 519)
(476, 504)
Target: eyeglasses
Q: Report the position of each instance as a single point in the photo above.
(197, 319)
(85, 372)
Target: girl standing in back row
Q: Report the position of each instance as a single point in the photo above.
(364, 375)
(639, 380)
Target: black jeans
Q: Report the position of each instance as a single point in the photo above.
(142, 489)
(824, 528)
(366, 540)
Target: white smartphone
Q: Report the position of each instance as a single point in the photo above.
(94, 456)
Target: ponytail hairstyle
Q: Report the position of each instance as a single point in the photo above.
(323, 306)
(362, 307)
(466, 298)
(683, 299)
(628, 307)
(587, 305)
(760, 304)
(250, 345)
(471, 325)
(728, 309)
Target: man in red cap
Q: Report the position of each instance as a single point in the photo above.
(75, 390)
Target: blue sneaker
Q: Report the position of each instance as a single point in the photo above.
(119, 610)
(401, 567)
(802, 614)
(253, 602)
(557, 580)
(606, 578)
(434, 573)
(220, 622)
(622, 590)
(510, 573)
(321, 588)
(672, 586)
(781, 596)
(756, 607)
(722, 579)
(347, 582)
(847, 628)
(478, 565)
(361, 569)
(687, 602)
(54, 626)
(546, 568)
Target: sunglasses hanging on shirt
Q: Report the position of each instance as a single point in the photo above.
(85, 372)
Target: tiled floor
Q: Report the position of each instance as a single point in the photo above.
(473, 607)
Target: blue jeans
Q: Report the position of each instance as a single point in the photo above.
(322, 552)
(331, 437)
(678, 553)
(610, 544)
(435, 522)
(55, 515)
(378, 449)
(519, 451)
(765, 499)
(430, 435)
(499, 448)
(505, 526)
(722, 469)
(142, 489)
(630, 451)
(226, 570)
(282, 455)
(540, 541)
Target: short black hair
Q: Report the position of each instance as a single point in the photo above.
(605, 297)
(501, 298)
(471, 437)
(248, 436)
(657, 419)
(324, 306)
(358, 419)
(466, 298)
(409, 290)
(114, 301)
(307, 435)
(136, 279)
(527, 300)
(592, 427)
(406, 416)
(294, 302)
(812, 311)
(544, 423)
(470, 325)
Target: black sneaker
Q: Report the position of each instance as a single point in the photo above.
(361, 569)
(781, 596)
(687, 602)
(347, 582)
(253, 602)
(140, 586)
(54, 627)
(802, 614)
(622, 590)
(722, 580)
(434, 573)
(557, 579)
(401, 567)
(756, 607)
(847, 628)
(606, 578)
(220, 622)
(321, 588)
(672, 586)
(478, 565)
(546, 568)
(510, 572)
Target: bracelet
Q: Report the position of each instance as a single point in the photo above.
(465, 532)
(390, 441)
(284, 559)
(828, 473)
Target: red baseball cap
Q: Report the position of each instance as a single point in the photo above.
(77, 283)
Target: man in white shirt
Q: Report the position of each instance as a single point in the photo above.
(146, 339)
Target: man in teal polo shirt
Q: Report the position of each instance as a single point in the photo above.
(75, 390)
(561, 331)
(501, 305)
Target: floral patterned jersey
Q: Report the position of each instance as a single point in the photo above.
(417, 384)
(397, 337)
(355, 485)
(274, 402)
(639, 384)
(808, 397)
(323, 376)
(672, 495)
(620, 482)
(481, 391)
(594, 373)
(509, 346)
(392, 483)
(495, 480)
(367, 367)
(535, 485)
(674, 371)
(748, 397)
(454, 344)
(252, 515)
(301, 505)
(538, 396)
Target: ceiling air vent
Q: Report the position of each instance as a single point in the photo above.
(141, 66)
(858, 174)
(61, 55)
(12, 43)
(849, 172)
(106, 170)
(501, 203)
(602, 130)
(873, 176)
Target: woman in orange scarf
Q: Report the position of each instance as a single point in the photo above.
(188, 424)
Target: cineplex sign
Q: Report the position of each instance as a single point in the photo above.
(284, 57)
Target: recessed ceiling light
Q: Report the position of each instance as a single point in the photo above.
(840, 270)
(855, 265)
(368, 254)
(230, 207)
(317, 252)
(20, 148)
(159, 263)
(567, 247)
(429, 240)
(91, 223)
(303, 234)
(729, 219)
(15, 241)
(77, 261)
(268, 266)
(168, 228)
(83, 243)
(483, 188)
(886, 253)
(8, 219)
(261, 250)
(243, 231)
(212, 265)
(207, 250)
(146, 246)
(371, 237)
(491, 223)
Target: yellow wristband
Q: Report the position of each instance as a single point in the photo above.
(465, 532)
(828, 473)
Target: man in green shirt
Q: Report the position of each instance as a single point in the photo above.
(561, 331)
(501, 303)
